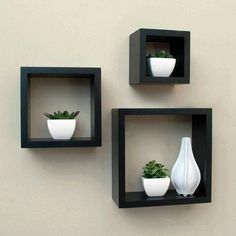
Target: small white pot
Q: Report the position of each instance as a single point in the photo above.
(61, 129)
(161, 67)
(156, 187)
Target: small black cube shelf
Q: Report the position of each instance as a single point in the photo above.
(145, 41)
(202, 149)
(92, 74)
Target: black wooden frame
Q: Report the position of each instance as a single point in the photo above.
(180, 48)
(202, 148)
(93, 74)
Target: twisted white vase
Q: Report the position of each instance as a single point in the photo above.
(185, 174)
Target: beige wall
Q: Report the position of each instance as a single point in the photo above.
(68, 191)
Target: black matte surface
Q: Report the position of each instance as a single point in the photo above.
(202, 149)
(93, 74)
(179, 42)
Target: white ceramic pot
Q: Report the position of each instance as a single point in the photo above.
(185, 174)
(156, 187)
(161, 67)
(61, 129)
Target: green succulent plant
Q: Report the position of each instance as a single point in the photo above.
(62, 115)
(160, 54)
(154, 170)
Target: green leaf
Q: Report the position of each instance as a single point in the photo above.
(154, 170)
(62, 115)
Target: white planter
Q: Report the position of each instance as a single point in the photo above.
(61, 129)
(156, 187)
(161, 67)
(185, 174)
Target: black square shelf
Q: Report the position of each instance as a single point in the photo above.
(202, 149)
(144, 41)
(93, 75)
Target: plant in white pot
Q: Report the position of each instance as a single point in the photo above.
(161, 64)
(155, 179)
(61, 125)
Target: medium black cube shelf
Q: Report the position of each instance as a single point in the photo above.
(202, 149)
(94, 77)
(144, 41)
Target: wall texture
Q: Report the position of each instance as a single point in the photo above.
(68, 191)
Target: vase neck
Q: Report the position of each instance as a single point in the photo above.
(186, 142)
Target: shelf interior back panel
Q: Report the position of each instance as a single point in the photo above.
(59, 93)
(152, 138)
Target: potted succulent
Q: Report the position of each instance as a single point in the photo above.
(161, 64)
(155, 179)
(61, 125)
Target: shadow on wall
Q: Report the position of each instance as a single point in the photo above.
(153, 91)
(165, 211)
(62, 153)
(64, 159)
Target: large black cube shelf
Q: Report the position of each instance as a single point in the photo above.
(93, 75)
(202, 149)
(145, 41)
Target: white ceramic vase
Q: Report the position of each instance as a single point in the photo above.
(61, 129)
(161, 67)
(156, 187)
(185, 174)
